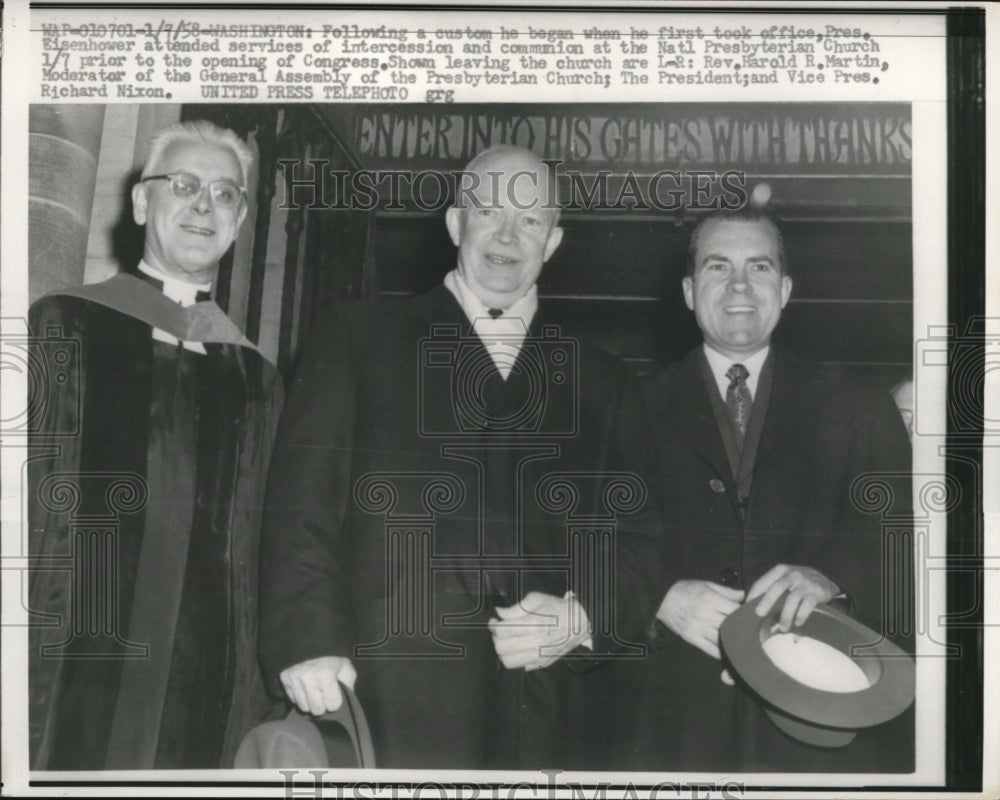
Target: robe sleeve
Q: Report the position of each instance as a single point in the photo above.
(54, 402)
(305, 573)
(619, 617)
(644, 570)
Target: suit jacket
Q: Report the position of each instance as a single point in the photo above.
(403, 461)
(819, 433)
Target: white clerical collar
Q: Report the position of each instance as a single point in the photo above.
(720, 364)
(503, 335)
(179, 291)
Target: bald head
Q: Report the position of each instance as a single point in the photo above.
(511, 173)
(504, 223)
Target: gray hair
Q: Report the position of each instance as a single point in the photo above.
(200, 131)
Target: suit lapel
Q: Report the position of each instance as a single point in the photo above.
(682, 400)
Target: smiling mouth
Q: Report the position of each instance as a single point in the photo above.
(197, 230)
(740, 309)
(499, 260)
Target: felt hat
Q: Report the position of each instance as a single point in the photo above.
(811, 715)
(338, 739)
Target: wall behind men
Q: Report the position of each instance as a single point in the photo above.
(840, 180)
(619, 283)
(839, 174)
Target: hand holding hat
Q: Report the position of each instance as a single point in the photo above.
(805, 587)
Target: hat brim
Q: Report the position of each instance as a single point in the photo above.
(889, 670)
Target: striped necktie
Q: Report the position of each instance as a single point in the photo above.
(739, 402)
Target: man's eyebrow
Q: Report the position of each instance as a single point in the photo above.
(715, 257)
(196, 174)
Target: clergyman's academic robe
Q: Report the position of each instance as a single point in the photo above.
(146, 487)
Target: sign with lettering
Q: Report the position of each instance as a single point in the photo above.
(802, 139)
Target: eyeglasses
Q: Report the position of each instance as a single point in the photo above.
(224, 194)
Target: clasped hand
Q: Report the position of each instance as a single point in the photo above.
(539, 630)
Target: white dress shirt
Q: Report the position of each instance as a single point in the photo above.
(720, 364)
(502, 337)
(181, 292)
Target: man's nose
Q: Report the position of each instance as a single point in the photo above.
(506, 230)
(738, 280)
(203, 202)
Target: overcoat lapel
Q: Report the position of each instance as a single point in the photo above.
(495, 453)
(783, 412)
(682, 399)
(758, 417)
(439, 307)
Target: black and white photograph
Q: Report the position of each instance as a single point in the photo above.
(497, 401)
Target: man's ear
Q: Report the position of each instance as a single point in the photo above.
(453, 222)
(786, 289)
(555, 237)
(139, 203)
(687, 284)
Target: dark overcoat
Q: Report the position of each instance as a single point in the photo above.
(807, 505)
(412, 492)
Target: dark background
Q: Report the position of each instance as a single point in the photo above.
(846, 217)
